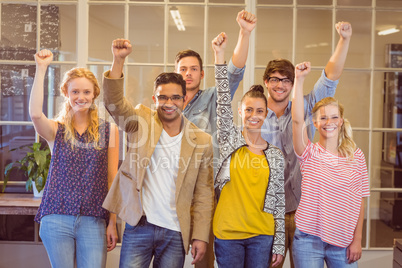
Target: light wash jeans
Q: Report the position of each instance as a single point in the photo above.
(74, 238)
(145, 240)
(309, 251)
(254, 252)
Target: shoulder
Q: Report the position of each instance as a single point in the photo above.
(272, 149)
(201, 136)
(59, 125)
(143, 110)
(205, 93)
(359, 155)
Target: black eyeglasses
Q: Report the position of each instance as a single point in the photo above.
(275, 80)
(174, 98)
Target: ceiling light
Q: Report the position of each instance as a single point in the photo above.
(177, 19)
(388, 31)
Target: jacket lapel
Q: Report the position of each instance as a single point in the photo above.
(187, 148)
(154, 133)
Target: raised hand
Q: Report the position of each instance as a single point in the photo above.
(43, 58)
(219, 42)
(246, 20)
(219, 45)
(302, 69)
(121, 48)
(344, 29)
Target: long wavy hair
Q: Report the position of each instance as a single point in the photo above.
(66, 115)
(346, 145)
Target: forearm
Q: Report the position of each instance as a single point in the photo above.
(36, 97)
(357, 236)
(298, 103)
(117, 68)
(299, 131)
(334, 67)
(279, 230)
(240, 53)
(203, 204)
(117, 105)
(223, 102)
(112, 219)
(220, 57)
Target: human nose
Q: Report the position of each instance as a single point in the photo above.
(169, 101)
(280, 81)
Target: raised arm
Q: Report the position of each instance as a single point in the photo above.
(335, 65)
(219, 46)
(45, 127)
(299, 130)
(247, 22)
(116, 104)
(121, 48)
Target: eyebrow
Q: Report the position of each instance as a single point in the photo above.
(258, 108)
(189, 66)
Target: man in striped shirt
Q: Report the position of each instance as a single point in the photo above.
(277, 128)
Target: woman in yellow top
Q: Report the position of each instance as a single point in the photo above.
(249, 219)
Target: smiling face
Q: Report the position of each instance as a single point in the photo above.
(80, 93)
(278, 92)
(190, 69)
(169, 110)
(328, 122)
(253, 112)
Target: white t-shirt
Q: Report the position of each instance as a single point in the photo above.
(159, 187)
(332, 192)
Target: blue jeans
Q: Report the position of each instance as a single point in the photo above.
(252, 252)
(145, 240)
(309, 251)
(74, 238)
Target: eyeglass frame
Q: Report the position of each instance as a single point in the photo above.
(169, 98)
(280, 80)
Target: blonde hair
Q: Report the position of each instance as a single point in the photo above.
(346, 145)
(66, 115)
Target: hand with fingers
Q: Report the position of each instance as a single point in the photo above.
(198, 249)
(246, 20)
(344, 29)
(121, 48)
(302, 69)
(354, 251)
(43, 58)
(219, 46)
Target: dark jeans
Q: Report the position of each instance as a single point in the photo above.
(145, 240)
(254, 252)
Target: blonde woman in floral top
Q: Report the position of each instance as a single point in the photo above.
(84, 162)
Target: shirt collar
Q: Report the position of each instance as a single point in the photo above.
(195, 97)
(288, 110)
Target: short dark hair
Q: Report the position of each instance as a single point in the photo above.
(170, 78)
(187, 53)
(256, 91)
(284, 67)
